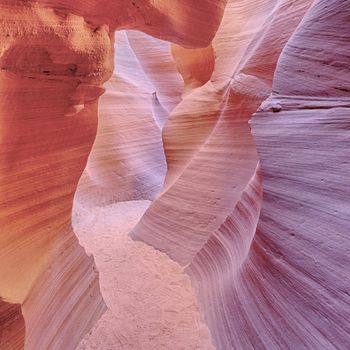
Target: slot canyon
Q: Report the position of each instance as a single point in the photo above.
(175, 174)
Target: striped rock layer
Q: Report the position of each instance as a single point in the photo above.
(54, 58)
(235, 125)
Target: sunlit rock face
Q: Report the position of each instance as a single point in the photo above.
(232, 117)
(54, 58)
(52, 67)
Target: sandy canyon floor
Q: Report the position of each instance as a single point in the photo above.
(151, 303)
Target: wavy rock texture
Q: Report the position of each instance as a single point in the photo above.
(127, 161)
(207, 139)
(302, 235)
(49, 86)
(52, 49)
(12, 326)
(54, 57)
(278, 280)
(255, 211)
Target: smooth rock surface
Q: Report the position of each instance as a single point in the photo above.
(55, 56)
(231, 118)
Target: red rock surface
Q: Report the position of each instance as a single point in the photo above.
(231, 117)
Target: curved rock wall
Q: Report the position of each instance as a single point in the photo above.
(255, 209)
(127, 161)
(49, 89)
(207, 139)
(275, 279)
(54, 57)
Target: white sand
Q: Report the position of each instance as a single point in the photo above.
(151, 303)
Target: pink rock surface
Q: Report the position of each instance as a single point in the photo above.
(151, 302)
(54, 57)
(207, 139)
(128, 149)
(275, 280)
(231, 118)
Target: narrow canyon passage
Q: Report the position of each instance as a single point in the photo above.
(174, 175)
(151, 304)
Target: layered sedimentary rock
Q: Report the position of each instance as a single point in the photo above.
(275, 279)
(207, 139)
(12, 326)
(49, 89)
(127, 161)
(54, 58)
(248, 131)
